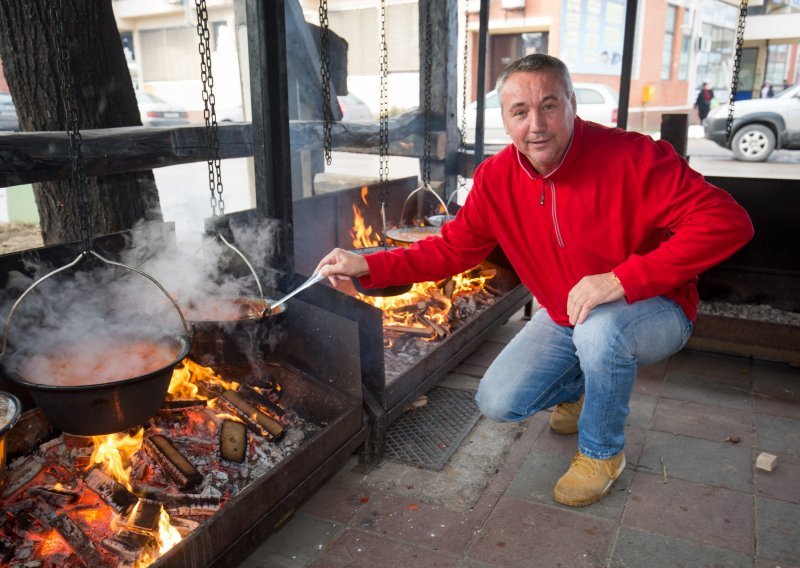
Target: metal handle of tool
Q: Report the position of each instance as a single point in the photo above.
(316, 277)
(424, 187)
(77, 260)
(249, 265)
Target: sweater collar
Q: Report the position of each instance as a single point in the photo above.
(569, 158)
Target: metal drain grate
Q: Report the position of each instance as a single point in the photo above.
(426, 437)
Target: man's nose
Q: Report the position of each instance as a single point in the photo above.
(535, 121)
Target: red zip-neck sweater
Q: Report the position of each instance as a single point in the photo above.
(619, 202)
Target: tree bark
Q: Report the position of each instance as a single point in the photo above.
(103, 95)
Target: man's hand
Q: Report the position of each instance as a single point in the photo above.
(341, 265)
(592, 291)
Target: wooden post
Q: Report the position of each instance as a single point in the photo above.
(444, 85)
(675, 130)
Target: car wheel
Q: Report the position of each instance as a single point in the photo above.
(753, 143)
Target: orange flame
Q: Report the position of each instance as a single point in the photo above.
(364, 192)
(183, 384)
(115, 452)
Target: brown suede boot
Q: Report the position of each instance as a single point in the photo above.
(564, 419)
(588, 480)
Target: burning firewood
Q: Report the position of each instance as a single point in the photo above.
(438, 329)
(129, 546)
(426, 332)
(172, 461)
(262, 400)
(178, 405)
(53, 496)
(75, 537)
(114, 494)
(20, 472)
(191, 505)
(233, 441)
(270, 428)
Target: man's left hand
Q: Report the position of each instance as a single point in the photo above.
(592, 291)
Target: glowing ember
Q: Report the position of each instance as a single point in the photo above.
(115, 452)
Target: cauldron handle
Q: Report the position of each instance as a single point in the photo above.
(80, 257)
(266, 310)
(424, 187)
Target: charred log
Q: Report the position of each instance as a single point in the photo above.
(172, 462)
(267, 426)
(115, 495)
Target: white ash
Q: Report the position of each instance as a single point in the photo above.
(755, 312)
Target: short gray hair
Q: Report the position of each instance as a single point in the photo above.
(533, 63)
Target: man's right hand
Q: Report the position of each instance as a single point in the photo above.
(340, 264)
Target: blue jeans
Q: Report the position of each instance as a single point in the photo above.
(546, 364)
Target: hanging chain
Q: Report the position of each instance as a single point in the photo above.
(462, 146)
(426, 93)
(325, 74)
(209, 111)
(71, 112)
(737, 59)
(383, 168)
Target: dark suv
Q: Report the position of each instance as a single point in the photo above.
(759, 125)
(8, 113)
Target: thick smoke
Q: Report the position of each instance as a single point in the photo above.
(100, 313)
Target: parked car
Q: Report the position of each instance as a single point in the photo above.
(157, 112)
(759, 125)
(8, 113)
(596, 102)
(354, 109)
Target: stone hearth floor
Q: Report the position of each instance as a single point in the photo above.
(690, 496)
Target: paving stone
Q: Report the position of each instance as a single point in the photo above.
(358, 549)
(484, 355)
(735, 370)
(703, 421)
(714, 463)
(782, 482)
(777, 380)
(407, 519)
(691, 511)
(764, 563)
(470, 370)
(507, 332)
(776, 407)
(642, 408)
(295, 545)
(518, 533)
(634, 445)
(337, 502)
(778, 530)
(776, 434)
(699, 388)
(639, 549)
(650, 378)
(459, 381)
(535, 480)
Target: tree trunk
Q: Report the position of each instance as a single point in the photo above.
(104, 98)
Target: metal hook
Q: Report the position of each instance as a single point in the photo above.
(219, 236)
(424, 187)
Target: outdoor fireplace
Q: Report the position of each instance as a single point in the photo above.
(399, 362)
(227, 457)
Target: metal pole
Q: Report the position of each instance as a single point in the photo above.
(483, 34)
(627, 64)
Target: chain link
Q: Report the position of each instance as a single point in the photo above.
(325, 73)
(462, 145)
(209, 111)
(737, 59)
(383, 169)
(71, 113)
(426, 93)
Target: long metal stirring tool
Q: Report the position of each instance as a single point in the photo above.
(316, 277)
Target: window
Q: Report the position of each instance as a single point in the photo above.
(588, 97)
(669, 41)
(777, 70)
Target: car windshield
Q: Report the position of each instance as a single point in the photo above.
(148, 98)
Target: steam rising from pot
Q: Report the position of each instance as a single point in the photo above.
(95, 304)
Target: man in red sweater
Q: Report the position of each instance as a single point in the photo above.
(609, 230)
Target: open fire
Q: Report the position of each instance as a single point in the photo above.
(125, 499)
(430, 311)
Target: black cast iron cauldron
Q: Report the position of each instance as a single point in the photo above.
(381, 292)
(105, 408)
(218, 340)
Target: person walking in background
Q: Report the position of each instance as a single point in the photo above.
(703, 102)
(608, 229)
(767, 92)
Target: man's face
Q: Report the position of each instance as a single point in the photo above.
(539, 116)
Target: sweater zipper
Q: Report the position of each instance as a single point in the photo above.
(553, 211)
